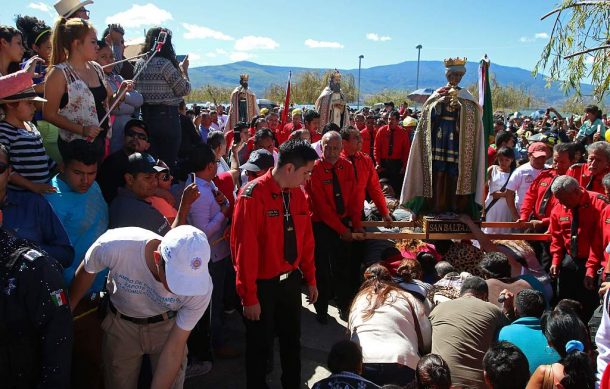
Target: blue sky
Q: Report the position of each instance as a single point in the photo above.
(327, 34)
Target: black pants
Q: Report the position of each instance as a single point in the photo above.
(280, 314)
(391, 171)
(571, 286)
(335, 270)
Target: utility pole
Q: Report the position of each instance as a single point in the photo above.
(418, 47)
(359, 69)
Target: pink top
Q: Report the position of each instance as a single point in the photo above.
(164, 208)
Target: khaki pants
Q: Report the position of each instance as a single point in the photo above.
(123, 345)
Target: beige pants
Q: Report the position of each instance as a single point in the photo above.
(123, 345)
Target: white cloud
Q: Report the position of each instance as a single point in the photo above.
(221, 51)
(211, 55)
(194, 57)
(313, 44)
(135, 41)
(589, 59)
(140, 15)
(40, 6)
(194, 31)
(240, 56)
(536, 36)
(252, 42)
(375, 37)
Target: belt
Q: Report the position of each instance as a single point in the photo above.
(144, 320)
(284, 276)
(448, 118)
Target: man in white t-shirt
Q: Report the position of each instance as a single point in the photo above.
(524, 175)
(159, 289)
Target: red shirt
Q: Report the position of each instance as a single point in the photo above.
(229, 139)
(400, 148)
(257, 236)
(224, 183)
(368, 141)
(321, 197)
(367, 180)
(284, 133)
(534, 195)
(599, 259)
(581, 172)
(315, 137)
(590, 209)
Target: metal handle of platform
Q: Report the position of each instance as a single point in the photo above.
(483, 224)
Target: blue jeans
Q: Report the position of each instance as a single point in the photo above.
(219, 271)
(388, 373)
(164, 130)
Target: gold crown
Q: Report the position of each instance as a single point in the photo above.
(244, 77)
(455, 61)
(335, 75)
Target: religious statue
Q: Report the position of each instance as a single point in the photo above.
(446, 168)
(243, 104)
(332, 104)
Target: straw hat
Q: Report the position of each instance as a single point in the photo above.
(18, 86)
(65, 8)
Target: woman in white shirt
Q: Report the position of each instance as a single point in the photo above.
(391, 326)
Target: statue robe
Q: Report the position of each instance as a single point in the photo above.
(234, 114)
(324, 107)
(417, 184)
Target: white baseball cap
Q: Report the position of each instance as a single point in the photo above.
(186, 252)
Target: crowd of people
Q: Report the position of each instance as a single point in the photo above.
(133, 225)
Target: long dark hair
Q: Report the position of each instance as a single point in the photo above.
(377, 285)
(167, 50)
(7, 33)
(559, 329)
(34, 31)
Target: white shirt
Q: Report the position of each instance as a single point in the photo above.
(318, 147)
(520, 182)
(389, 335)
(133, 289)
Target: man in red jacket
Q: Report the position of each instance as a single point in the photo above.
(573, 237)
(392, 147)
(335, 213)
(368, 137)
(590, 175)
(273, 248)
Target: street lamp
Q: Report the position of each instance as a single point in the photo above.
(359, 69)
(418, 47)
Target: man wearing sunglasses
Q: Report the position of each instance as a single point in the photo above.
(111, 173)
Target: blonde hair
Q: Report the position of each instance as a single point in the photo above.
(65, 32)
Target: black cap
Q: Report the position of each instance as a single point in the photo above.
(240, 126)
(260, 159)
(136, 123)
(143, 163)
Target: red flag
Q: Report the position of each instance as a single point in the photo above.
(286, 102)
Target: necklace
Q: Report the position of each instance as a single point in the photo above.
(286, 205)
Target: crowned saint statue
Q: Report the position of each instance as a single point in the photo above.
(446, 168)
(243, 104)
(332, 105)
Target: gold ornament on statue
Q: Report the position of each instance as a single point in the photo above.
(244, 77)
(457, 61)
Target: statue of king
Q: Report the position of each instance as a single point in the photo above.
(243, 104)
(446, 168)
(332, 105)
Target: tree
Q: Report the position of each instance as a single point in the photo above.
(507, 96)
(577, 104)
(307, 86)
(395, 95)
(577, 46)
(214, 93)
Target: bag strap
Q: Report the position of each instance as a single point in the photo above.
(494, 201)
(420, 338)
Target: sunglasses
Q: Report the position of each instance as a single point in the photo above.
(3, 167)
(138, 135)
(86, 11)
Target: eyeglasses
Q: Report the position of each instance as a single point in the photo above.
(165, 177)
(3, 167)
(138, 135)
(86, 11)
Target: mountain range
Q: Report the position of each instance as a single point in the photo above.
(400, 76)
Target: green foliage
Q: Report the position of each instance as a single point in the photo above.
(307, 86)
(395, 95)
(507, 97)
(214, 93)
(578, 27)
(577, 104)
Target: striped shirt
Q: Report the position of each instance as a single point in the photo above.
(27, 155)
(161, 83)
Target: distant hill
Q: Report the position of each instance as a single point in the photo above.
(397, 76)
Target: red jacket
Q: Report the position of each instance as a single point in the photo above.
(400, 148)
(599, 259)
(581, 172)
(589, 239)
(322, 200)
(367, 180)
(368, 141)
(534, 195)
(283, 135)
(257, 236)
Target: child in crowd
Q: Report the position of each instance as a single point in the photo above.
(31, 165)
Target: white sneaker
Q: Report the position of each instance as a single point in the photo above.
(196, 369)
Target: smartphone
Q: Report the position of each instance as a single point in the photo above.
(192, 178)
(181, 58)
